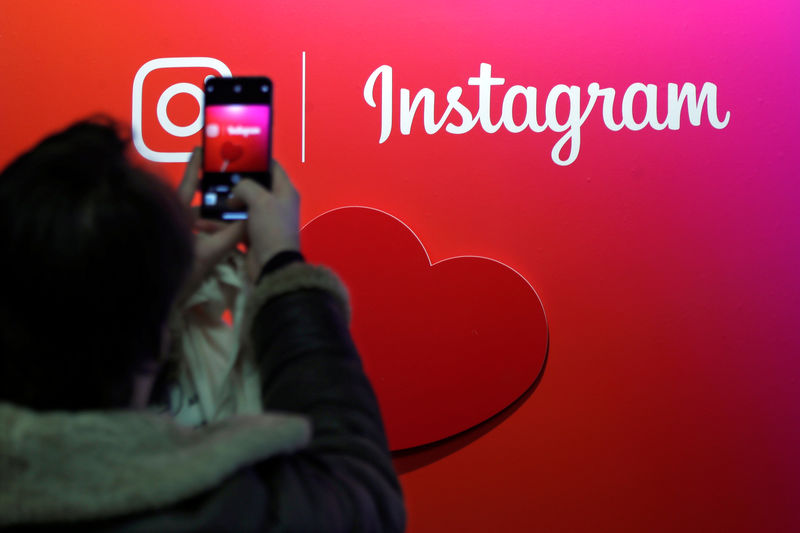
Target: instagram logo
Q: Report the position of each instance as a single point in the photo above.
(167, 109)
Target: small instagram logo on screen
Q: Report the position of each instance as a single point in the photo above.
(167, 111)
(237, 138)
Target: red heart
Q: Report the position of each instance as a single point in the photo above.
(231, 152)
(446, 346)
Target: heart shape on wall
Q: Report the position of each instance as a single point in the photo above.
(446, 345)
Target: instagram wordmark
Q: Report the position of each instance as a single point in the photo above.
(676, 100)
(161, 108)
(244, 131)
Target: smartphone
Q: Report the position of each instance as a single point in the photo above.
(237, 140)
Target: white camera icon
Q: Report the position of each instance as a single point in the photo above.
(161, 108)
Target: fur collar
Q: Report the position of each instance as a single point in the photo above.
(64, 466)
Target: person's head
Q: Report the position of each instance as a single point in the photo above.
(94, 251)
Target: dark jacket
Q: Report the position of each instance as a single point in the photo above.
(316, 461)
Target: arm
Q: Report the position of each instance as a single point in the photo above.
(344, 480)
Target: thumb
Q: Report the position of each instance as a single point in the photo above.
(281, 185)
(248, 192)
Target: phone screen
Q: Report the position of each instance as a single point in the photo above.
(237, 140)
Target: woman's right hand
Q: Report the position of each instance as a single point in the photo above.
(273, 218)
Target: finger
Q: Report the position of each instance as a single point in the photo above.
(248, 191)
(190, 177)
(214, 247)
(281, 185)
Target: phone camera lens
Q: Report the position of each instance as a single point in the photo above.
(264, 88)
(237, 88)
(210, 88)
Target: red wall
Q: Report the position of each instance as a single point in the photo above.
(666, 261)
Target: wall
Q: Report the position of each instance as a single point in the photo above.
(665, 260)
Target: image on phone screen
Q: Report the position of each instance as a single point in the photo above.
(236, 140)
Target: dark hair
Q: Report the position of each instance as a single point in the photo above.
(94, 251)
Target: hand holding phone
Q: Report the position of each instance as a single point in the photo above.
(237, 141)
(274, 222)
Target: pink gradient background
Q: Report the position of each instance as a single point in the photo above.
(667, 262)
(254, 148)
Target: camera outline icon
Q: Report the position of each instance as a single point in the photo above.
(163, 100)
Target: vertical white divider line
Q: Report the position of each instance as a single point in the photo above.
(303, 119)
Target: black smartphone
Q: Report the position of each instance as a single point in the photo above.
(237, 140)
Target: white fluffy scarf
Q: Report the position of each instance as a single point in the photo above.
(61, 466)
